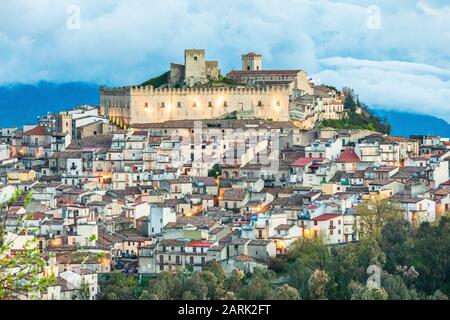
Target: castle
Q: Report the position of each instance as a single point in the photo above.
(187, 94)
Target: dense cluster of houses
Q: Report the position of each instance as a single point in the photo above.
(174, 195)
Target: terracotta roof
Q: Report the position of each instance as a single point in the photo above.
(325, 217)
(36, 131)
(302, 162)
(200, 243)
(348, 156)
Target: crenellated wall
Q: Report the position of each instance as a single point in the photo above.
(145, 104)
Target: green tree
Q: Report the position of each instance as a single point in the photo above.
(287, 292)
(394, 242)
(298, 276)
(260, 285)
(360, 292)
(216, 268)
(234, 283)
(118, 286)
(84, 291)
(375, 214)
(21, 273)
(215, 172)
(197, 286)
(317, 285)
(431, 245)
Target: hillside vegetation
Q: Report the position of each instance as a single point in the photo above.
(363, 120)
(158, 81)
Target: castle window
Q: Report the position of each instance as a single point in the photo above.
(194, 105)
(179, 104)
(163, 105)
(225, 104)
(278, 103)
(146, 105)
(195, 58)
(260, 104)
(210, 104)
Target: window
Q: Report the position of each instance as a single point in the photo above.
(195, 58)
(210, 105)
(225, 104)
(260, 104)
(194, 105)
(178, 104)
(163, 105)
(278, 103)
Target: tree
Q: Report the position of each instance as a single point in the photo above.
(118, 286)
(395, 287)
(431, 244)
(84, 291)
(214, 285)
(360, 292)
(21, 273)
(317, 284)
(234, 282)
(375, 213)
(438, 295)
(215, 172)
(166, 286)
(260, 286)
(298, 276)
(278, 264)
(197, 286)
(394, 242)
(313, 253)
(287, 292)
(216, 268)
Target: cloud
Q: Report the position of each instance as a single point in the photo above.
(126, 42)
(392, 85)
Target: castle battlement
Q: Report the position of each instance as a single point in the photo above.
(274, 89)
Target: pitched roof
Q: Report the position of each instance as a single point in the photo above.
(348, 156)
(36, 131)
(326, 216)
(234, 194)
(302, 161)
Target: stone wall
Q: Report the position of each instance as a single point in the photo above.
(148, 105)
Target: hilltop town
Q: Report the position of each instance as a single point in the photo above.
(194, 167)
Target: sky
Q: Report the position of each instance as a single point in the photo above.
(395, 54)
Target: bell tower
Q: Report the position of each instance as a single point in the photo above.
(251, 62)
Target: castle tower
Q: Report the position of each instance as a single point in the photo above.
(251, 62)
(195, 66)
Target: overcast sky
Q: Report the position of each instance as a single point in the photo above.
(399, 61)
